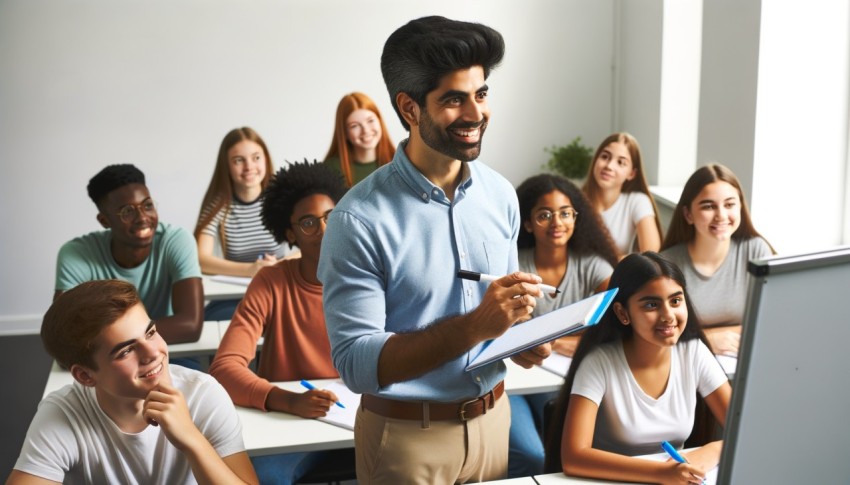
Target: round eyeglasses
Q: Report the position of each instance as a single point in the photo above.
(309, 225)
(129, 211)
(545, 217)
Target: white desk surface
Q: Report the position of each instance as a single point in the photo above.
(219, 290)
(561, 479)
(272, 433)
(513, 481)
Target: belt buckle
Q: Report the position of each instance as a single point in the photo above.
(462, 412)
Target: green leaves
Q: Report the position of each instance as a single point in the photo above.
(572, 161)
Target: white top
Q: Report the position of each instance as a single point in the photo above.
(622, 218)
(629, 421)
(72, 440)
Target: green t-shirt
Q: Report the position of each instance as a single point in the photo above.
(359, 171)
(173, 257)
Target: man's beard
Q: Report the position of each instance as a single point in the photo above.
(440, 140)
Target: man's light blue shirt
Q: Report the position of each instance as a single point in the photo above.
(389, 264)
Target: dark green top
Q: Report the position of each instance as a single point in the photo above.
(359, 171)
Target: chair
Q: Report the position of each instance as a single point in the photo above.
(337, 466)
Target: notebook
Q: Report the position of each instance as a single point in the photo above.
(342, 417)
(545, 328)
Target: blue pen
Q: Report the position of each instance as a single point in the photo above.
(311, 387)
(673, 453)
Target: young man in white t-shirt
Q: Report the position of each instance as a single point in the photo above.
(129, 417)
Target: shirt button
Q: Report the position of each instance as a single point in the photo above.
(424, 196)
(478, 379)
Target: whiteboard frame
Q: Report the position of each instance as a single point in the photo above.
(793, 452)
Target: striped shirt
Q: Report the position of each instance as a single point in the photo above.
(246, 237)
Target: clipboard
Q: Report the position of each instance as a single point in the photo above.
(545, 328)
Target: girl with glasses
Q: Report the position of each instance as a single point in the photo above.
(563, 240)
(712, 238)
(283, 305)
(617, 188)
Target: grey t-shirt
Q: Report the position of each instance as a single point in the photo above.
(720, 299)
(584, 274)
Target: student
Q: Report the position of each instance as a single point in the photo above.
(712, 238)
(283, 303)
(617, 188)
(159, 259)
(230, 215)
(402, 325)
(129, 417)
(634, 380)
(360, 142)
(565, 242)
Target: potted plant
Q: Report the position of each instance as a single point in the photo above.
(572, 161)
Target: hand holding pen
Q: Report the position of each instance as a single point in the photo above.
(311, 387)
(473, 276)
(695, 474)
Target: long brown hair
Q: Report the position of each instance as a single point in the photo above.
(638, 183)
(630, 275)
(341, 147)
(590, 235)
(220, 191)
(682, 232)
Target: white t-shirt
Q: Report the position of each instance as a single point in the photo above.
(72, 440)
(630, 422)
(622, 218)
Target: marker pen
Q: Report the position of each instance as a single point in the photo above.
(472, 275)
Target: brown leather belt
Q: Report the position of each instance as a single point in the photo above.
(433, 411)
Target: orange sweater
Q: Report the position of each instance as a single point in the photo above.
(280, 305)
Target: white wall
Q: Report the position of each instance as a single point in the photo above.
(88, 83)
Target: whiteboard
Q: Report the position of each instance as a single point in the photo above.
(789, 419)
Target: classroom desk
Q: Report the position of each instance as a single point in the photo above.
(219, 290)
(513, 481)
(561, 479)
(273, 433)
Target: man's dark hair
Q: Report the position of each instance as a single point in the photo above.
(418, 54)
(291, 184)
(113, 177)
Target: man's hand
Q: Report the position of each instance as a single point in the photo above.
(508, 300)
(532, 357)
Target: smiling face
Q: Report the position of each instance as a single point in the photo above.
(131, 359)
(656, 312)
(613, 167)
(556, 230)
(247, 163)
(455, 115)
(715, 212)
(137, 231)
(363, 131)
